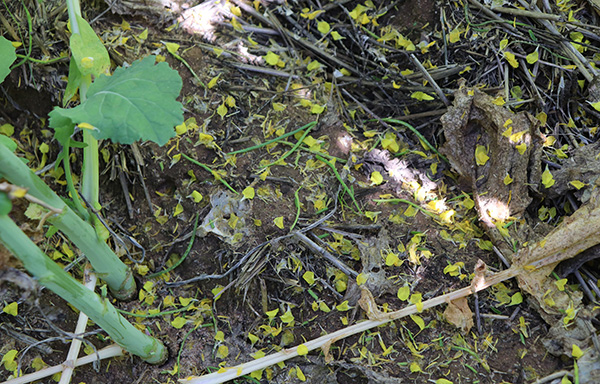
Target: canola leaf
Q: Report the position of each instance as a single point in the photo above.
(336, 36)
(5, 204)
(389, 142)
(391, 259)
(376, 178)
(403, 293)
(7, 129)
(7, 57)
(323, 27)
(302, 350)
(343, 306)
(507, 179)
(271, 58)
(533, 57)
(178, 322)
(414, 367)
(230, 101)
(517, 298)
(503, 44)
(576, 351)
(88, 52)
(11, 309)
(443, 381)
(324, 307)
(481, 156)
(278, 222)
(213, 81)
(596, 105)
(248, 193)
(196, 196)
(577, 184)
(521, 148)
(317, 109)
(172, 47)
(220, 336)
(287, 317)
(300, 374)
(222, 351)
(410, 211)
(222, 110)
(361, 279)
(273, 313)
(309, 277)
(510, 57)
(421, 96)
(9, 360)
(178, 209)
(135, 103)
(419, 321)
(313, 65)
(560, 284)
(547, 178)
(454, 35)
(279, 107)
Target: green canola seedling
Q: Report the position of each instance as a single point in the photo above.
(134, 103)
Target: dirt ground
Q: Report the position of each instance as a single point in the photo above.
(251, 267)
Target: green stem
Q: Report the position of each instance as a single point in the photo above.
(339, 178)
(309, 125)
(90, 181)
(50, 275)
(113, 271)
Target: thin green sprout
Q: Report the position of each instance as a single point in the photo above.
(175, 55)
(291, 150)
(309, 125)
(215, 174)
(29, 26)
(306, 149)
(418, 134)
(150, 315)
(187, 251)
(337, 176)
(297, 203)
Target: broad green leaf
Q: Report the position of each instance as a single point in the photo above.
(5, 204)
(248, 193)
(134, 103)
(89, 53)
(8, 143)
(577, 184)
(73, 82)
(7, 57)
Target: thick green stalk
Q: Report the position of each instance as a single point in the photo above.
(106, 264)
(90, 182)
(100, 310)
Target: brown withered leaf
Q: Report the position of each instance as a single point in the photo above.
(512, 142)
(459, 314)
